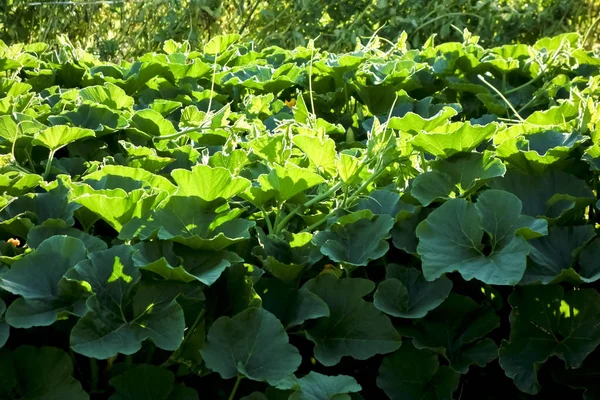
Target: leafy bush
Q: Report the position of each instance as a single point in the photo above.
(295, 224)
(125, 28)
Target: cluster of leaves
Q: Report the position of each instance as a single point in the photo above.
(416, 224)
(130, 28)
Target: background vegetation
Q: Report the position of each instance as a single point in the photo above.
(130, 28)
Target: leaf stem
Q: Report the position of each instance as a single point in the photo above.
(279, 227)
(94, 373)
(508, 103)
(235, 387)
(48, 164)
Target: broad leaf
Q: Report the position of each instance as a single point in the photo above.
(411, 374)
(59, 136)
(406, 294)
(553, 257)
(246, 343)
(456, 330)
(290, 305)
(354, 327)
(38, 279)
(547, 322)
(315, 386)
(354, 240)
(120, 317)
(451, 239)
(38, 373)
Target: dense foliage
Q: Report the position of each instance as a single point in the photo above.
(123, 28)
(416, 224)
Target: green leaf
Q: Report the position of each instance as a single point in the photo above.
(289, 181)
(456, 330)
(315, 386)
(354, 327)
(246, 343)
(356, 242)
(411, 374)
(414, 123)
(589, 261)
(50, 229)
(56, 137)
(117, 207)
(406, 294)
(321, 153)
(537, 151)
(451, 239)
(292, 306)
(181, 264)
(220, 43)
(185, 220)
(38, 373)
(553, 257)
(109, 95)
(209, 183)
(431, 186)
(145, 381)
(471, 170)
(286, 258)
(119, 317)
(547, 322)
(149, 123)
(98, 118)
(128, 179)
(53, 205)
(38, 279)
(551, 194)
(447, 141)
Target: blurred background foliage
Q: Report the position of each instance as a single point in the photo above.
(115, 29)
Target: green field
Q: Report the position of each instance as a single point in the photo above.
(228, 221)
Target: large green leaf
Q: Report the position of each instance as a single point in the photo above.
(289, 181)
(186, 220)
(109, 95)
(406, 294)
(59, 136)
(456, 330)
(354, 327)
(38, 279)
(321, 153)
(209, 183)
(413, 374)
(468, 171)
(286, 258)
(451, 239)
(182, 264)
(448, 140)
(546, 322)
(292, 306)
(553, 257)
(589, 262)
(121, 313)
(246, 345)
(38, 373)
(550, 194)
(40, 233)
(315, 386)
(356, 239)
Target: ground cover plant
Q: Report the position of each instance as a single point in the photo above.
(224, 223)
